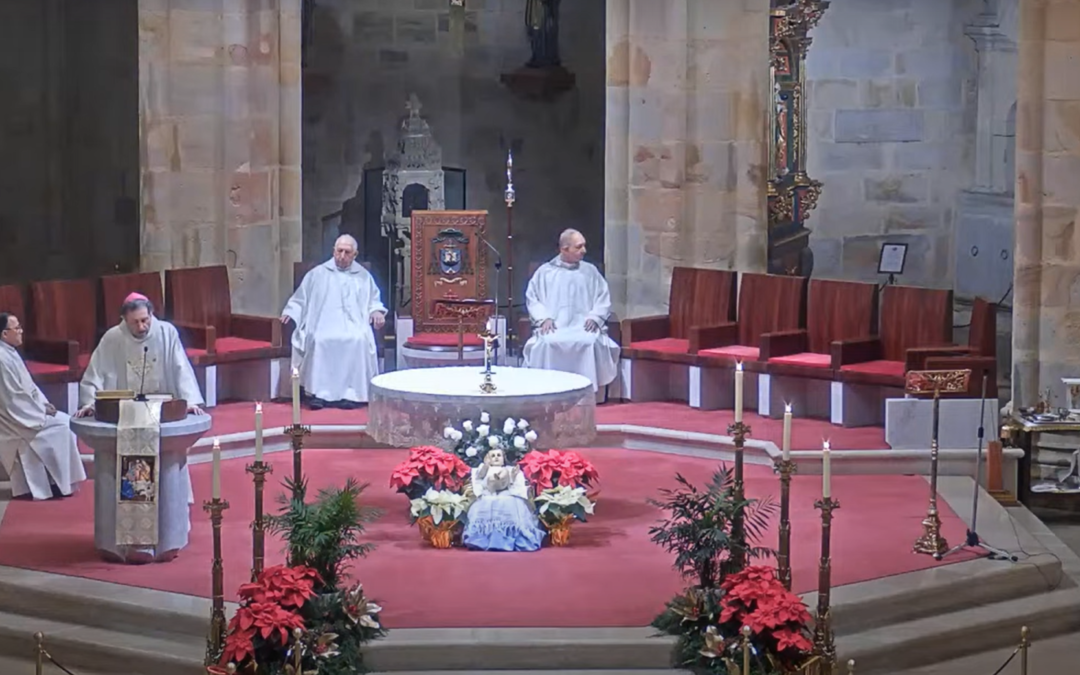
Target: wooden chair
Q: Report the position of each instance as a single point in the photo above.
(660, 349)
(524, 323)
(871, 369)
(798, 363)
(114, 289)
(53, 364)
(768, 303)
(65, 310)
(980, 353)
(246, 347)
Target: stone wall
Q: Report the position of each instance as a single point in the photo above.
(69, 133)
(891, 90)
(219, 123)
(369, 56)
(687, 95)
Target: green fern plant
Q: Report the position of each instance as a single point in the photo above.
(325, 533)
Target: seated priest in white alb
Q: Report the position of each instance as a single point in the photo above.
(336, 311)
(569, 303)
(37, 447)
(142, 354)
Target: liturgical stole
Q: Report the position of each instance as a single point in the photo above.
(138, 443)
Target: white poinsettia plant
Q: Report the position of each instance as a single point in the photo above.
(471, 440)
(561, 502)
(440, 505)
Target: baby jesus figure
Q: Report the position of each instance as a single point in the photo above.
(501, 518)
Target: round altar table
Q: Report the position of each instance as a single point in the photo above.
(412, 407)
(174, 487)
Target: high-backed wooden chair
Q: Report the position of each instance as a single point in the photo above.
(798, 363)
(65, 310)
(200, 306)
(300, 270)
(979, 354)
(658, 351)
(870, 369)
(53, 364)
(114, 289)
(449, 262)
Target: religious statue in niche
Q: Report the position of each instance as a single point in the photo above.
(543, 77)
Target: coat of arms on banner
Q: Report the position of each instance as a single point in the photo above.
(138, 441)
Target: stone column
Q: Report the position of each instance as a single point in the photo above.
(219, 125)
(1046, 305)
(687, 126)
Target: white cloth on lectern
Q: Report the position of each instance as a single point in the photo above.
(117, 363)
(569, 295)
(333, 343)
(35, 448)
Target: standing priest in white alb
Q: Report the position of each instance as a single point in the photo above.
(336, 311)
(141, 354)
(569, 303)
(37, 447)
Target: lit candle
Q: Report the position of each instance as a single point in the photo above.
(295, 396)
(258, 433)
(738, 391)
(826, 472)
(216, 493)
(786, 447)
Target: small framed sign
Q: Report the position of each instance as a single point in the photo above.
(893, 257)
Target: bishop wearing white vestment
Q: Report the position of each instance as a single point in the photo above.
(335, 312)
(37, 447)
(569, 304)
(140, 338)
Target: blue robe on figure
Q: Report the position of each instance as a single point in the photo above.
(501, 518)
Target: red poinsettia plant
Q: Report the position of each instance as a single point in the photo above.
(546, 470)
(269, 612)
(429, 467)
(777, 618)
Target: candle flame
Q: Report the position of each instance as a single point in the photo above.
(787, 407)
(217, 443)
(296, 372)
(258, 408)
(738, 365)
(825, 446)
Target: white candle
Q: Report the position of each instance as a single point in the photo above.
(786, 446)
(826, 472)
(258, 433)
(216, 489)
(295, 396)
(738, 391)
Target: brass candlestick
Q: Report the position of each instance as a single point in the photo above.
(936, 382)
(1025, 645)
(786, 468)
(215, 641)
(297, 432)
(739, 431)
(824, 643)
(509, 196)
(258, 471)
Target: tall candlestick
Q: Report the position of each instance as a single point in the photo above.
(295, 396)
(738, 391)
(216, 489)
(258, 433)
(786, 445)
(826, 472)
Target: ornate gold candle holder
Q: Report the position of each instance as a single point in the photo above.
(258, 471)
(786, 468)
(824, 642)
(738, 432)
(296, 433)
(215, 641)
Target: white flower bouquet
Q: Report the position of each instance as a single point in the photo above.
(561, 503)
(440, 505)
(471, 440)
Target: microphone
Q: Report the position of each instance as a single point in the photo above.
(498, 256)
(142, 380)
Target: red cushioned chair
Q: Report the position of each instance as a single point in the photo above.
(981, 349)
(768, 303)
(53, 363)
(114, 289)
(660, 349)
(798, 363)
(235, 355)
(872, 369)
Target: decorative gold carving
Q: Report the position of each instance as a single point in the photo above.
(936, 381)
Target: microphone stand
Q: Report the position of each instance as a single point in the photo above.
(973, 540)
(498, 282)
(142, 379)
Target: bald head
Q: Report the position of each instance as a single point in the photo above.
(345, 249)
(571, 246)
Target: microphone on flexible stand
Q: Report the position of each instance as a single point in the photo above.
(498, 279)
(142, 380)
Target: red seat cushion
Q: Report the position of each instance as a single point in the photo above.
(84, 361)
(422, 340)
(733, 352)
(40, 368)
(663, 345)
(891, 369)
(806, 360)
(231, 345)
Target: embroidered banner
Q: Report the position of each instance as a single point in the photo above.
(138, 441)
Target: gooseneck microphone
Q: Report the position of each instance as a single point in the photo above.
(142, 380)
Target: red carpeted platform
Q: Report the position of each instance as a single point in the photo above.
(807, 434)
(610, 575)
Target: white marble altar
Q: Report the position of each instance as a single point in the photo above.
(412, 407)
(174, 488)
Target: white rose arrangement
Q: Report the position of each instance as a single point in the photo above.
(470, 440)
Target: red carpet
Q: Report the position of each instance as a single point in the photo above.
(610, 575)
(806, 434)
